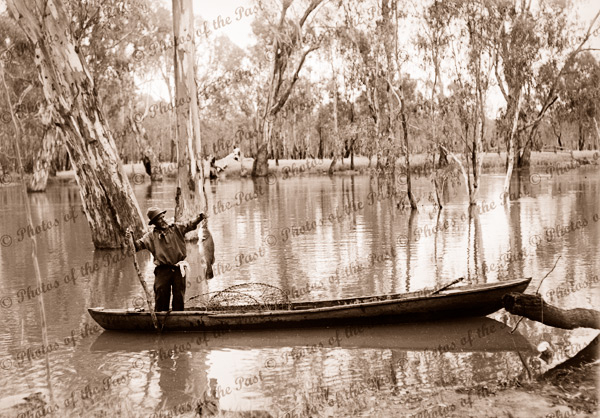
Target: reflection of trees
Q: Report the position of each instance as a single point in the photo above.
(391, 243)
(439, 225)
(114, 280)
(513, 213)
(282, 218)
(478, 250)
(411, 222)
(351, 198)
(32, 243)
(174, 377)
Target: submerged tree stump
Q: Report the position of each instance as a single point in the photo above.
(535, 308)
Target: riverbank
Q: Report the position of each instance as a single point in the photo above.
(574, 395)
(420, 164)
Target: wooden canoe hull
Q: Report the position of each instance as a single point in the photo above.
(476, 300)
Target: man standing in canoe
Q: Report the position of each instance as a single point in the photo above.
(167, 245)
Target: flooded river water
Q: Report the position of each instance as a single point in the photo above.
(315, 238)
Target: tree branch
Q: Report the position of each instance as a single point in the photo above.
(288, 91)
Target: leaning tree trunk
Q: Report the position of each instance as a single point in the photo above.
(190, 195)
(280, 87)
(108, 200)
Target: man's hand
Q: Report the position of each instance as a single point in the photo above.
(199, 219)
(129, 236)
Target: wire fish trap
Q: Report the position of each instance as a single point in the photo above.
(243, 297)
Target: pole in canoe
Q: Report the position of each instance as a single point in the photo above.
(142, 281)
(447, 286)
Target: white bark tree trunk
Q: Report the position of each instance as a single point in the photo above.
(190, 200)
(108, 200)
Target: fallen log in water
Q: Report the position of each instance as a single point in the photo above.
(536, 309)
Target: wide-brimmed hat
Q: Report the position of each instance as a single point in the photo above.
(153, 213)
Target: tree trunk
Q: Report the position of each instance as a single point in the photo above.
(510, 151)
(597, 133)
(411, 197)
(141, 139)
(477, 156)
(108, 200)
(190, 173)
(320, 153)
(336, 126)
(280, 88)
(581, 142)
(41, 164)
(524, 160)
(536, 309)
(260, 167)
(354, 137)
(443, 160)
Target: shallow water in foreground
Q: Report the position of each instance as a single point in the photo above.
(314, 238)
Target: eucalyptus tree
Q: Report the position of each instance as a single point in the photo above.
(470, 71)
(190, 197)
(370, 32)
(291, 40)
(579, 98)
(394, 56)
(434, 40)
(523, 37)
(74, 104)
(295, 123)
(347, 83)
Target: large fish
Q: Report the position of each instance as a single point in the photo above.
(206, 246)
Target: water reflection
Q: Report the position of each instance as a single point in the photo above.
(274, 371)
(342, 256)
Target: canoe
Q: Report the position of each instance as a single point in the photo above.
(464, 301)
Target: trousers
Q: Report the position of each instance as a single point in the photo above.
(165, 278)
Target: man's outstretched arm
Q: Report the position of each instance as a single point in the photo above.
(193, 224)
